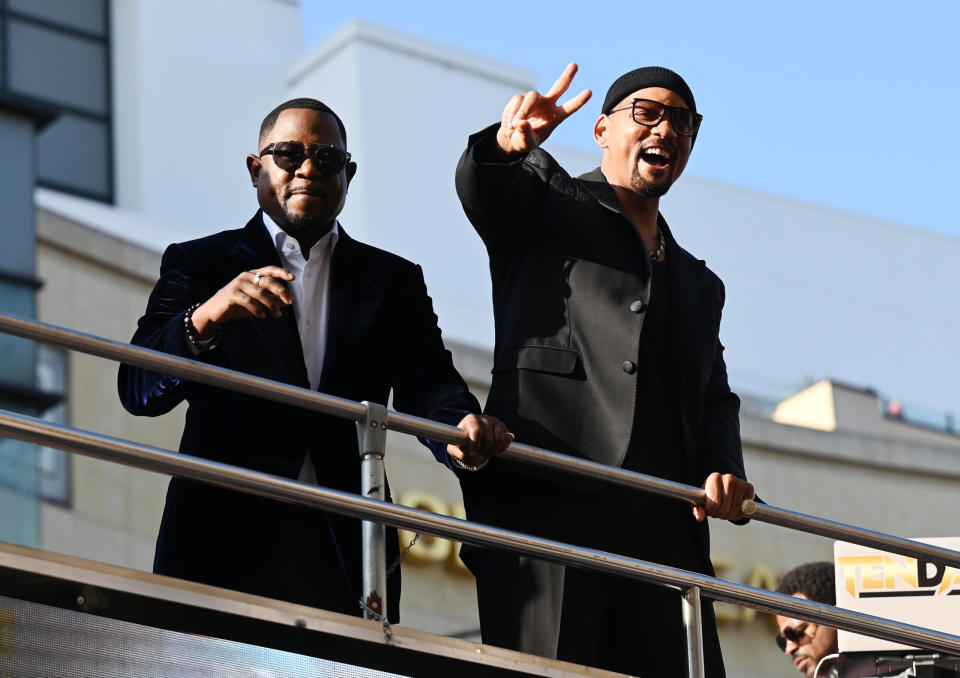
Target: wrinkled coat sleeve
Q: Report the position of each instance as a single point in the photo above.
(143, 391)
(722, 449)
(425, 382)
(499, 198)
(721, 423)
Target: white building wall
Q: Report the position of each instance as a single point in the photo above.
(816, 292)
(408, 106)
(811, 292)
(192, 81)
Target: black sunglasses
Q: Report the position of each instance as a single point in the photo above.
(290, 155)
(650, 113)
(793, 635)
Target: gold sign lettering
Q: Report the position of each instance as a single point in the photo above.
(428, 549)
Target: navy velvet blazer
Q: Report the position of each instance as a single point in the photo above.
(382, 336)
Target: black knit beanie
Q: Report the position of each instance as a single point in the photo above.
(648, 76)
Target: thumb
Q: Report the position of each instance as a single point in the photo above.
(699, 513)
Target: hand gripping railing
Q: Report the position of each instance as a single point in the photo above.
(364, 412)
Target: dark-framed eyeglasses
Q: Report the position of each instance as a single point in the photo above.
(290, 155)
(651, 113)
(792, 634)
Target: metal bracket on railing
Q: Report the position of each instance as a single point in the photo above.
(693, 631)
(372, 439)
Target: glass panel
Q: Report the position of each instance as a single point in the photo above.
(54, 464)
(20, 511)
(57, 67)
(74, 153)
(19, 505)
(17, 368)
(17, 167)
(87, 15)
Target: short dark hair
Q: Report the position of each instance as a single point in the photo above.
(814, 580)
(303, 102)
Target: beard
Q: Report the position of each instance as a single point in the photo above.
(648, 189)
(304, 227)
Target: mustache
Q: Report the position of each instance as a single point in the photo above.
(303, 188)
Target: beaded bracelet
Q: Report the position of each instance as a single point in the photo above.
(194, 337)
(467, 467)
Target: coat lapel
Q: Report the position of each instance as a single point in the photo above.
(598, 187)
(280, 336)
(686, 297)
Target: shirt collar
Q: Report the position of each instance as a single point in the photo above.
(280, 237)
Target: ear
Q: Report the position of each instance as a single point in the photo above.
(253, 167)
(351, 169)
(601, 130)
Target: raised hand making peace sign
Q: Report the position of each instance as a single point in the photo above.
(528, 119)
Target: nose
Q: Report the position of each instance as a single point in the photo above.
(308, 169)
(664, 128)
(790, 648)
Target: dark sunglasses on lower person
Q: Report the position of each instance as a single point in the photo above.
(793, 635)
(290, 156)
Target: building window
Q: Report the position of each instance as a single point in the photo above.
(84, 15)
(53, 465)
(55, 54)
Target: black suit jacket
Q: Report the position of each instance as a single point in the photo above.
(571, 281)
(382, 336)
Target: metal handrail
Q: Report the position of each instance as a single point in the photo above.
(692, 584)
(406, 423)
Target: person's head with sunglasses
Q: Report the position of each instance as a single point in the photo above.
(302, 168)
(804, 642)
(647, 127)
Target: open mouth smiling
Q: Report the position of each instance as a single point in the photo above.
(657, 156)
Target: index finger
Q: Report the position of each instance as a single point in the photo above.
(276, 272)
(563, 82)
(576, 102)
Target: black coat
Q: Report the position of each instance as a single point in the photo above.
(571, 286)
(568, 270)
(382, 335)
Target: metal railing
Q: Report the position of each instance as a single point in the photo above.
(374, 420)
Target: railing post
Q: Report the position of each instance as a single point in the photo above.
(372, 438)
(693, 631)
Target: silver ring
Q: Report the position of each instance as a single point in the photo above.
(256, 278)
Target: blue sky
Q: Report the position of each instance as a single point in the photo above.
(848, 104)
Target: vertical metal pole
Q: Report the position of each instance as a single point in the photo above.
(693, 631)
(372, 437)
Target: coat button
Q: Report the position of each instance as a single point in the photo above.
(629, 367)
(638, 307)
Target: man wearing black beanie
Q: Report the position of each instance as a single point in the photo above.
(606, 348)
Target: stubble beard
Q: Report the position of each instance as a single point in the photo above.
(648, 189)
(305, 227)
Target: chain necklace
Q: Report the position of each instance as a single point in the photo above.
(661, 246)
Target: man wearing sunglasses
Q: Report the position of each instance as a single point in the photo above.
(293, 298)
(804, 642)
(606, 348)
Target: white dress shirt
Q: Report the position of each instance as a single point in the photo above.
(310, 290)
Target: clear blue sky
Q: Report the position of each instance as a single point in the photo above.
(851, 104)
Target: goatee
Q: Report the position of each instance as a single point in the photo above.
(305, 227)
(648, 189)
